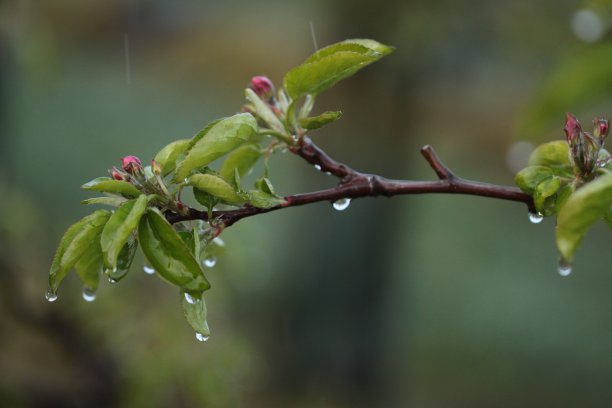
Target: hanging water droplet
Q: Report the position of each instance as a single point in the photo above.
(148, 270)
(186, 181)
(50, 295)
(535, 218)
(317, 167)
(565, 268)
(112, 281)
(342, 204)
(219, 242)
(328, 173)
(89, 295)
(190, 299)
(201, 337)
(209, 262)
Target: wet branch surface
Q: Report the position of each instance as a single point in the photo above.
(354, 184)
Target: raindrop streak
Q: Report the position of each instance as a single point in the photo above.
(201, 337)
(535, 218)
(50, 295)
(564, 268)
(89, 295)
(317, 167)
(209, 262)
(148, 270)
(342, 204)
(190, 299)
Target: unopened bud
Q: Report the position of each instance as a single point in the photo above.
(572, 129)
(116, 174)
(131, 164)
(601, 127)
(262, 86)
(155, 167)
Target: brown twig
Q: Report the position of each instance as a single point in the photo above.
(354, 184)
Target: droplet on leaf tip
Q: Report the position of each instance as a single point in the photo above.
(565, 268)
(201, 337)
(50, 295)
(190, 299)
(89, 295)
(209, 262)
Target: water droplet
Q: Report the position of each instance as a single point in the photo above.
(328, 173)
(565, 268)
(89, 295)
(186, 181)
(219, 242)
(190, 299)
(535, 218)
(148, 270)
(342, 204)
(317, 167)
(112, 281)
(201, 337)
(209, 262)
(50, 295)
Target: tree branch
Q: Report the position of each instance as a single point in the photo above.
(354, 184)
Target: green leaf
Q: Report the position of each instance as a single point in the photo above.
(194, 308)
(207, 200)
(217, 187)
(119, 228)
(89, 265)
(583, 208)
(168, 254)
(529, 178)
(265, 185)
(264, 111)
(242, 159)
(321, 120)
(108, 185)
(167, 157)
(551, 154)
(216, 140)
(75, 242)
(544, 195)
(113, 201)
(124, 261)
(562, 195)
(331, 64)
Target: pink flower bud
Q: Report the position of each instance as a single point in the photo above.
(601, 127)
(262, 86)
(116, 174)
(572, 128)
(131, 164)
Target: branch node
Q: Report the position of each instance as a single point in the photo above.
(443, 172)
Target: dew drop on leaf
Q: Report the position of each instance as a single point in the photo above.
(564, 268)
(209, 262)
(148, 270)
(342, 204)
(190, 299)
(201, 337)
(50, 295)
(112, 281)
(535, 218)
(89, 295)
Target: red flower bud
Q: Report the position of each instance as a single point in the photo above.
(131, 164)
(601, 127)
(262, 86)
(572, 128)
(116, 174)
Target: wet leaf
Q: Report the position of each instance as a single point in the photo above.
(241, 159)
(216, 186)
(529, 178)
(108, 185)
(168, 254)
(582, 209)
(544, 195)
(125, 259)
(218, 139)
(321, 120)
(195, 312)
(264, 111)
(359, 45)
(75, 242)
(113, 201)
(167, 157)
(552, 154)
(89, 265)
(119, 228)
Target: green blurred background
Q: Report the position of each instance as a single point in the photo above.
(420, 301)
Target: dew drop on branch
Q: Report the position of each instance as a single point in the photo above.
(535, 218)
(89, 295)
(148, 270)
(565, 268)
(201, 337)
(317, 167)
(190, 299)
(342, 204)
(209, 262)
(50, 295)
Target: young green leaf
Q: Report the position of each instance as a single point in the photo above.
(168, 254)
(75, 242)
(544, 195)
(194, 308)
(218, 139)
(529, 178)
(583, 208)
(261, 199)
(321, 120)
(551, 154)
(264, 111)
(167, 157)
(113, 201)
(330, 65)
(89, 265)
(242, 159)
(124, 261)
(108, 185)
(217, 187)
(119, 228)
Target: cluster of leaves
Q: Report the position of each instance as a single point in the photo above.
(573, 179)
(105, 242)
